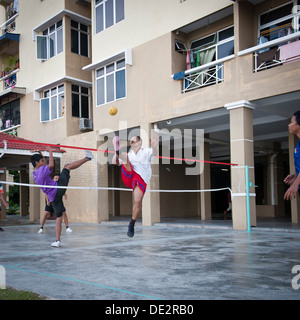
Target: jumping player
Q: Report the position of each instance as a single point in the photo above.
(136, 171)
(41, 176)
(49, 211)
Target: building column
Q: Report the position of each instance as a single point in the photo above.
(295, 203)
(34, 198)
(115, 194)
(24, 191)
(5, 190)
(151, 201)
(102, 176)
(279, 177)
(242, 154)
(205, 197)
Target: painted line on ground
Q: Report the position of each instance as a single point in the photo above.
(82, 281)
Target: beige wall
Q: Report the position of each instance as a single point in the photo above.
(82, 205)
(152, 94)
(75, 62)
(75, 6)
(147, 20)
(33, 72)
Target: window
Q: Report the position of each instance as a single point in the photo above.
(108, 13)
(206, 41)
(279, 22)
(51, 42)
(52, 104)
(111, 82)
(10, 115)
(215, 46)
(80, 102)
(180, 47)
(79, 38)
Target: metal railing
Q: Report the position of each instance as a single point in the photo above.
(9, 120)
(268, 59)
(208, 74)
(9, 80)
(9, 25)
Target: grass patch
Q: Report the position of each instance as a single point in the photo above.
(14, 294)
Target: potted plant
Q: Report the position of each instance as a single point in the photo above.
(12, 63)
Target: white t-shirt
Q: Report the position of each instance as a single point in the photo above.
(141, 162)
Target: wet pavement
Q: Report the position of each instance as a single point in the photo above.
(185, 260)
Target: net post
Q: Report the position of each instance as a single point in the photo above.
(248, 199)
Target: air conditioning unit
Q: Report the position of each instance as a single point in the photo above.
(85, 124)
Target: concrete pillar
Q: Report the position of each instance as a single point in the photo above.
(102, 173)
(5, 191)
(295, 203)
(205, 197)
(115, 194)
(242, 153)
(151, 201)
(24, 192)
(34, 198)
(279, 184)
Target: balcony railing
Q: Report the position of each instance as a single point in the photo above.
(274, 53)
(9, 25)
(9, 119)
(9, 80)
(208, 74)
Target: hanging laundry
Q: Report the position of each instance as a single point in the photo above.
(290, 51)
(188, 60)
(198, 59)
(8, 123)
(192, 60)
(16, 6)
(179, 75)
(262, 40)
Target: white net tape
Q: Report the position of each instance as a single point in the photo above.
(108, 188)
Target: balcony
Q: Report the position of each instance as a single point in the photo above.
(9, 79)
(201, 48)
(206, 75)
(10, 25)
(10, 116)
(274, 53)
(12, 11)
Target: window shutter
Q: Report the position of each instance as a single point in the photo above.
(41, 47)
(45, 109)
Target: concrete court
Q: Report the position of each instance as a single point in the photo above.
(169, 261)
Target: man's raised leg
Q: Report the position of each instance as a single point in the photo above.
(78, 163)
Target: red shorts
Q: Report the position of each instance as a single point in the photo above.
(131, 179)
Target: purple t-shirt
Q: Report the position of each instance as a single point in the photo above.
(41, 176)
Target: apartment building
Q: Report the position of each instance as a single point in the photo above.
(226, 69)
